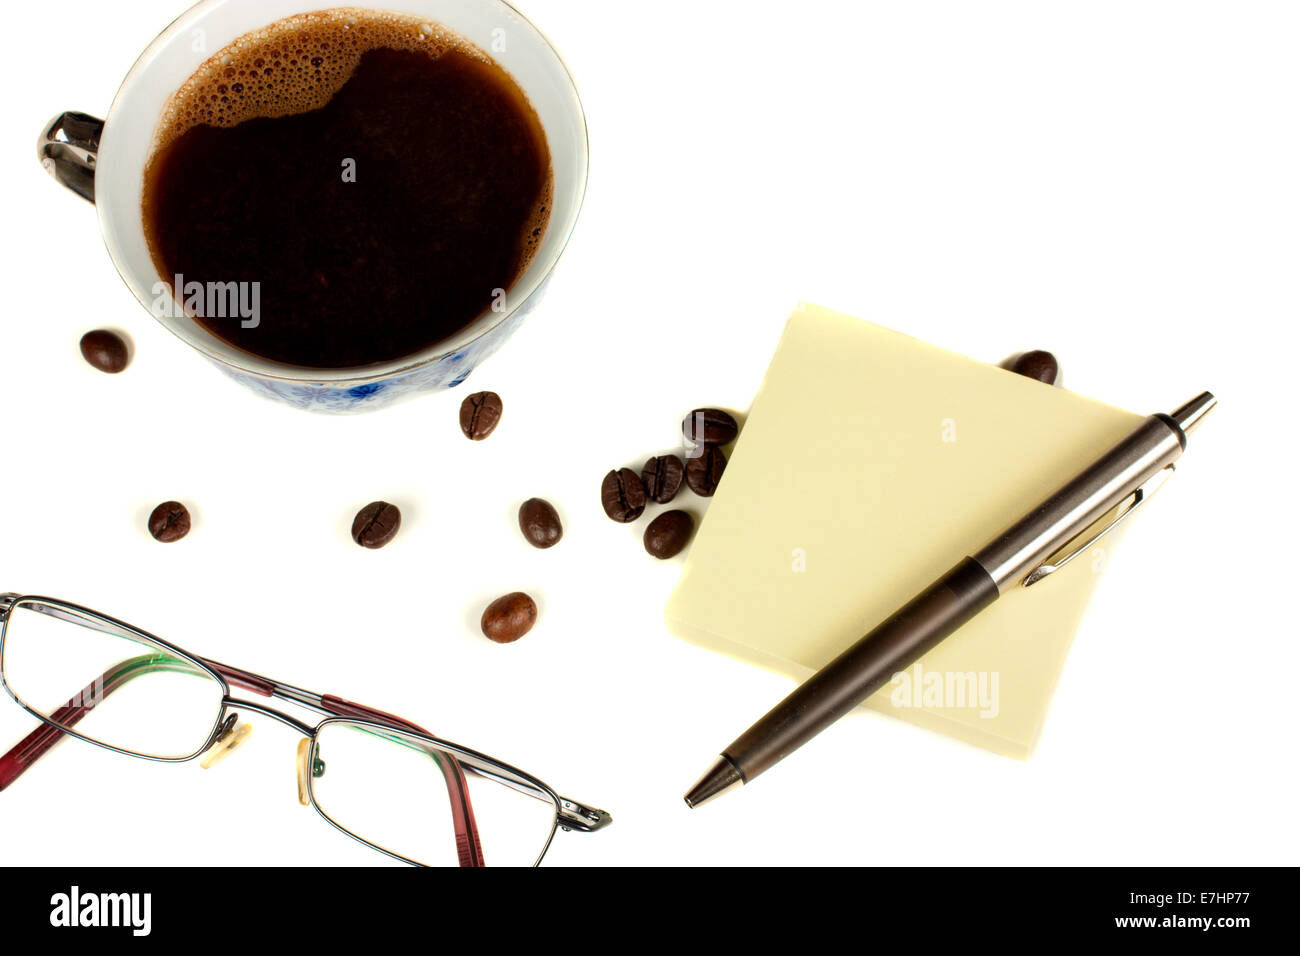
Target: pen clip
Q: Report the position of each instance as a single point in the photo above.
(1145, 491)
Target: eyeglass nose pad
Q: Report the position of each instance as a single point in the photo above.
(304, 785)
(307, 766)
(229, 738)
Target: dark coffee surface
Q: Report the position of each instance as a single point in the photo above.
(451, 195)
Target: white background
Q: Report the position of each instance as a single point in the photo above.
(1114, 181)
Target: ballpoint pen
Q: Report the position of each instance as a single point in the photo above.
(1022, 555)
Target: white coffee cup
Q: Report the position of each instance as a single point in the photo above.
(104, 161)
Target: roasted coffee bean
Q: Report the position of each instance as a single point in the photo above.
(540, 523)
(105, 350)
(704, 471)
(169, 522)
(479, 415)
(376, 524)
(623, 495)
(509, 618)
(668, 534)
(1038, 365)
(709, 426)
(661, 477)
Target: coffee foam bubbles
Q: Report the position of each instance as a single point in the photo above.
(295, 65)
(298, 64)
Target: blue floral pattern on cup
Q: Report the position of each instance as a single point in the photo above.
(444, 371)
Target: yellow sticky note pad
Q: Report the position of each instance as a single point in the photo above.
(869, 464)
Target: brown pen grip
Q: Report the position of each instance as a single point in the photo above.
(864, 668)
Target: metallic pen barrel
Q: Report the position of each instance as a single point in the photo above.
(1105, 484)
(1189, 417)
(1153, 446)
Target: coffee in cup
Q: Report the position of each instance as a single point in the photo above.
(344, 188)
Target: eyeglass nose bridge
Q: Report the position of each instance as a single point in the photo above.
(230, 703)
(305, 763)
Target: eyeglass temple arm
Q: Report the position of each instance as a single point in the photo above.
(35, 745)
(468, 847)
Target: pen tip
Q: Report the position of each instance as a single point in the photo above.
(721, 778)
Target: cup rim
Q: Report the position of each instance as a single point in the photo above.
(249, 363)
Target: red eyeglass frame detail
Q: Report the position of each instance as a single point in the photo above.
(469, 849)
(571, 815)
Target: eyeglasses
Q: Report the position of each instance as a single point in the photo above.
(380, 779)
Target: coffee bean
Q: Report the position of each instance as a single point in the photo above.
(1038, 365)
(668, 534)
(540, 523)
(704, 471)
(509, 618)
(169, 522)
(376, 524)
(709, 426)
(479, 415)
(622, 495)
(662, 476)
(105, 350)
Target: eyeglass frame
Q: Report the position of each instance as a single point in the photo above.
(569, 815)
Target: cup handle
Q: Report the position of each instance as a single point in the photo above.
(68, 148)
